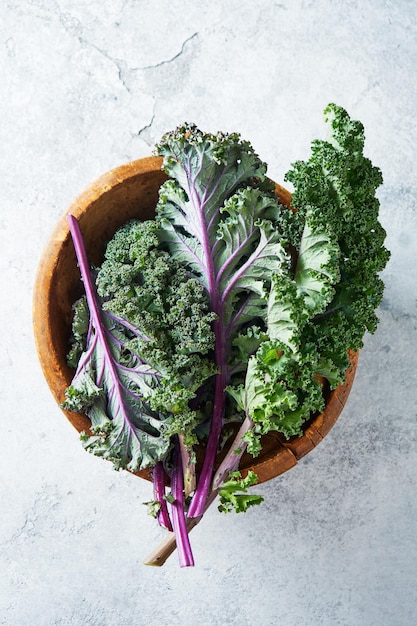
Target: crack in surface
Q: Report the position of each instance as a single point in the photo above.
(75, 28)
(121, 65)
(144, 133)
(124, 71)
(174, 58)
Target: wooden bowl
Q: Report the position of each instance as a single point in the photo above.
(131, 191)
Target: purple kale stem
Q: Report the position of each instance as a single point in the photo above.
(217, 301)
(229, 464)
(158, 476)
(95, 316)
(204, 483)
(159, 556)
(203, 486)
(179, 523)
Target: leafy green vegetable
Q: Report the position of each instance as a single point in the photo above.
(111, 385)
(336, 186)
(233, 493)
(219, 222)
(170, 313)
(226, 307)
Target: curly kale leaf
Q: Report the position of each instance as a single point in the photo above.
(80, 327)
(317, 271)
(280, 390)
(234, 493)
(112, 385)
(336, 188)
(150, 290)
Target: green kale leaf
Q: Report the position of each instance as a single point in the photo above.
(234, 494)
(336, 189)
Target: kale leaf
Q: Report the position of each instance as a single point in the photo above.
(113, 390)
(336, 188)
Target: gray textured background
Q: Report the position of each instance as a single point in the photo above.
(88, 85)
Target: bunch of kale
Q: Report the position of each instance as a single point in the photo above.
(225, 308)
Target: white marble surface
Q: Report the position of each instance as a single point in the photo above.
(88, 85)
